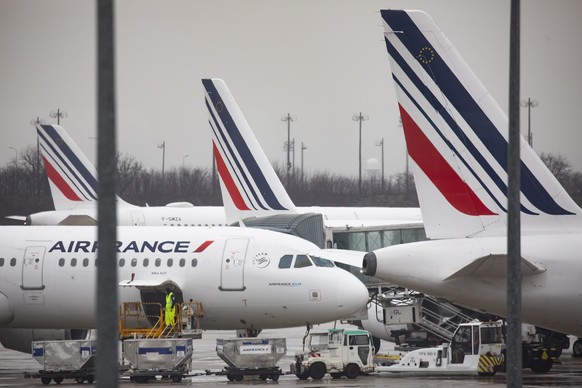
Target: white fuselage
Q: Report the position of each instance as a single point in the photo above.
(48, 276)
(551, 298)
(129, 215)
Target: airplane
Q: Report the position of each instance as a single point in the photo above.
(251, 188)
(456, 135)
(73, 184)
(245, 278)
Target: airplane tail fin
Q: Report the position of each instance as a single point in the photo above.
(457, 138)
(72, 177)
(250, 187)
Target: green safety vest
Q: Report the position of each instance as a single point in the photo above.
(170, 311)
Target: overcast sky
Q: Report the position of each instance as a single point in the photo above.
(321, 60)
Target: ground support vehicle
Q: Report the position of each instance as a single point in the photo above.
(339, 352)
(477, 348)
(148, 358)
(64, 359)
(250, 357)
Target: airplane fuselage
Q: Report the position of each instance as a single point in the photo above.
(48, 276)
(551, 291)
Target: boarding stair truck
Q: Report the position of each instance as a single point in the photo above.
(339, 352)
(477, 348)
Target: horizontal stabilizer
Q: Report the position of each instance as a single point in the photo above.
(494, 266)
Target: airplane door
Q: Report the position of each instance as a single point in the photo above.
(32, 268)
(233, 260)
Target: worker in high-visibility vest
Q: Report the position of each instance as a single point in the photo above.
(170, 310)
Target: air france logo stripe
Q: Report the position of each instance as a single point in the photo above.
(203, 246)
(415, 42)
(238, 172)
(56, 178)
(424, 153)
(68, 162)
(245, 153)
(233, 191)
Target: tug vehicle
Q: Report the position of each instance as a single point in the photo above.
(339, 352)
(476, 348)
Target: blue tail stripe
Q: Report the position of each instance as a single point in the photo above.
(77, 164)
(66, 169)
(448, 83)
(243, 149)
(220, 144)
(239, 172)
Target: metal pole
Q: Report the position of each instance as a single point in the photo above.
(360, 117)
(303, 148)
(381, 144)
(514, 342)
(107, 299)
(288, 118)
(163, 147)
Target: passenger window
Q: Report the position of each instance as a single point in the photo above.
(13, 262)
(285, 261)
(133, 262)
(85, 262)
(182, 262)
(158, 262)
(73, 262)
(61, 262)
(146, 262)
(121, 262)
(321, 262)
(194, 262)
(1, 262)
(302, 261)
(170, 262)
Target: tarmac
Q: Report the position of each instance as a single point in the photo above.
(566, 373)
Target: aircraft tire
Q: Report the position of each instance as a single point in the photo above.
(542, 366)
(317, 370)
(352, 371)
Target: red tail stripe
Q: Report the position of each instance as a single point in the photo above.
(203, 246)
(233, 191)
(440, 173)
(58, 180)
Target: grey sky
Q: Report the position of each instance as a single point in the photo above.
(321, 60)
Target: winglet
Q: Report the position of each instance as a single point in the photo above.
(456, 135)
(250, 187)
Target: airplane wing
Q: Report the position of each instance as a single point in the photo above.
(494, 265)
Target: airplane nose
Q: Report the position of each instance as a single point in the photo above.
(352, 295)
(369, 265)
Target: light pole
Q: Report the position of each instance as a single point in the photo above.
(184, 157)
(288, 118)
(162, 145)
(303, 148)
(360, 117)
(380, 143)
(529, 104)
(36, 122)
(59, 114)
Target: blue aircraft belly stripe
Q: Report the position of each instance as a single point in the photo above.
(66, 169)
(239, 172)
(243, 149)
(77, 164)
(464, 103)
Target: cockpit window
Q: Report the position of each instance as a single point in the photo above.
(285, 261)
(302, 261)
(321, 262)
